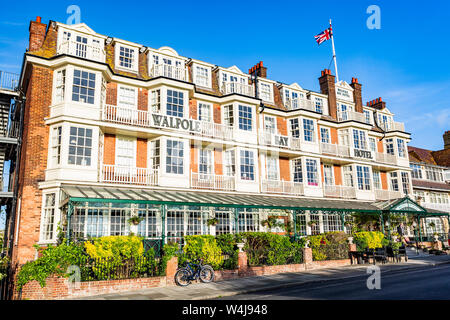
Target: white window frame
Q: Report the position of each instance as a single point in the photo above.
(120, 139)
(327, 130)
(60, 85)
(199, 111)
(263, 93)
(276, 167)
(196, 76)
(331, 181)
(135, 59)
(268, 119)
(135, 97)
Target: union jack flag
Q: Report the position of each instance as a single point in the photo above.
(324, 36)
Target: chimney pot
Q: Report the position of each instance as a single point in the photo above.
(38, 19)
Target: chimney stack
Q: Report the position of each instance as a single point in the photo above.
(447, 139)
(328, 86)
(261, 71)
(377, 104)
(37, 34)
(357, 95)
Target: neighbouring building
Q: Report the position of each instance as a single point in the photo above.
(431, 182)
(115, 129)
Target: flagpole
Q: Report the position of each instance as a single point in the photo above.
(334, 54)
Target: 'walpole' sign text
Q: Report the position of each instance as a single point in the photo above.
(176, 123)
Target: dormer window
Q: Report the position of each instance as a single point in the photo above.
(265, 91)
(368, 116)
(318, 105)
(202, 76)
(126, 58)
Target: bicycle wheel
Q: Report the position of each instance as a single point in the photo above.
(206, 274)
(182, 277)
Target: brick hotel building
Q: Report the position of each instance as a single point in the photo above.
(114, 129)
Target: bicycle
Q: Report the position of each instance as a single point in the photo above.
(192, 271)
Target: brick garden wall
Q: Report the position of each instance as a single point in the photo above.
(58, 288)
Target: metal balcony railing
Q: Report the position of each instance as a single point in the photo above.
(236, 87)
(129, 175)
(168, 71)
(339, 191)
(212, 181)
(8, 80)
(82, 50)
(282, 187)
(387, 194)
(351, 116)
(392, 126)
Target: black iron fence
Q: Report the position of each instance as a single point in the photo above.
(8, 80)
(115, 268)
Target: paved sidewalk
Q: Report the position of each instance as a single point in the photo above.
(202, 291)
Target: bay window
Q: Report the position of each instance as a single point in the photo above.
(394, 181)
(318, 105)
(48, 219)
(308, 130)
(83, 89)
(348, 176)
(175, 103)
(376, 180)
(359, 139)
(175, 157)
(56, 146)
(228, 117)
(401, 148)
(390, 146)
(363, 177)
(80, 146)
(230, 163)
(245, 118)
(60, 85)
(247, 165)
(311, 172)
(297, 170)
(205, 163)
(405, 182)
(295, 128)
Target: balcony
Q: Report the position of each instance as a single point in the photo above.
(212, 182)
(344, 192)
(386, 158)
(235, 87)
(168, 71)
(82, 50)
(282, 187)
(294, 104)
(146, 119)
(274, 140)
(351, 116)
(387, 194)
(334, 149)
(9, 81)
(393, 126)
(129, 175)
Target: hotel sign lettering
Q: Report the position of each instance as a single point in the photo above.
(362, 154)
(281, 141)
(176, 123)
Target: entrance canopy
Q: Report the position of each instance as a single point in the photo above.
(211, 199)
(73, 193)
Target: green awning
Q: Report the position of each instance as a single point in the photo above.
(75, 193)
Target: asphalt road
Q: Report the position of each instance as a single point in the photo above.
(428, 283)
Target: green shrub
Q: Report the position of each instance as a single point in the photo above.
(227, 243)
(329, 246)
(271, 249)
(204, 247)
(170, 250)
(53, 261)
(369, 239)
(117, 247)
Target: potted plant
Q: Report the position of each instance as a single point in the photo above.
(312, 223)
(212, 221)
(135, 220)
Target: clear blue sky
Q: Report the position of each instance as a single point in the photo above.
(406, 62)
